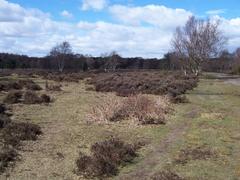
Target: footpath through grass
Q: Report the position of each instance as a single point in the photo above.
(208, 148)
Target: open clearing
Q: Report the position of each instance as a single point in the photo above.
(210, 120)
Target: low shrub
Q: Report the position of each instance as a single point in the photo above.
(198, 153)
(13, 133)
(29, 85)
(7, 156)
(8, 85)
(45, 98)
(30, 97)
(166, 175)
(13, 97)
(178, 99)
(143, 82)
(2, 108)
(105, 158)
(4, 120)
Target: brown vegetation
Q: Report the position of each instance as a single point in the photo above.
(105, 158)
(8, 155)
(30, 97)
(198, 153)
(166, 175)
(129, 83)
(52, 87)
(8, 85)
(29, 85)
(142, 109)
(11, 135)
(13, 97)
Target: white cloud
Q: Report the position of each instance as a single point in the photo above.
(216, 11)
(66, 14)
(151, 14)
(139, 31)
(94, 4)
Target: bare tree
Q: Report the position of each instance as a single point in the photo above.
(197, 41)
(60, 52)
(112, 60)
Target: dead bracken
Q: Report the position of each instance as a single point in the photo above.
(143, 109)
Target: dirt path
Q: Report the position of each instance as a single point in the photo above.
(153, 159)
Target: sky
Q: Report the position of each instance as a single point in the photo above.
(133, 28)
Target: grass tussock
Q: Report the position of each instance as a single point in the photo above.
(52, 87)
(143, 109)
(105, 158)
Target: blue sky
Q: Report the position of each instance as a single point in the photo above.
(199, 7)
(130, 27)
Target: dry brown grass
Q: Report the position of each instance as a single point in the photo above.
(52, 86)
(143, 109)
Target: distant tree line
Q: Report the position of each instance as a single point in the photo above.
(197, 46)
(111, 62)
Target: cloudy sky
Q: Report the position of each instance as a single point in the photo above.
(130, 27)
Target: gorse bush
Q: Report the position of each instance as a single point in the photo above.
(106, 157)
(142, 109)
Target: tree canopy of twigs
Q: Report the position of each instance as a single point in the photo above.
(196, 42)
(60, 52)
